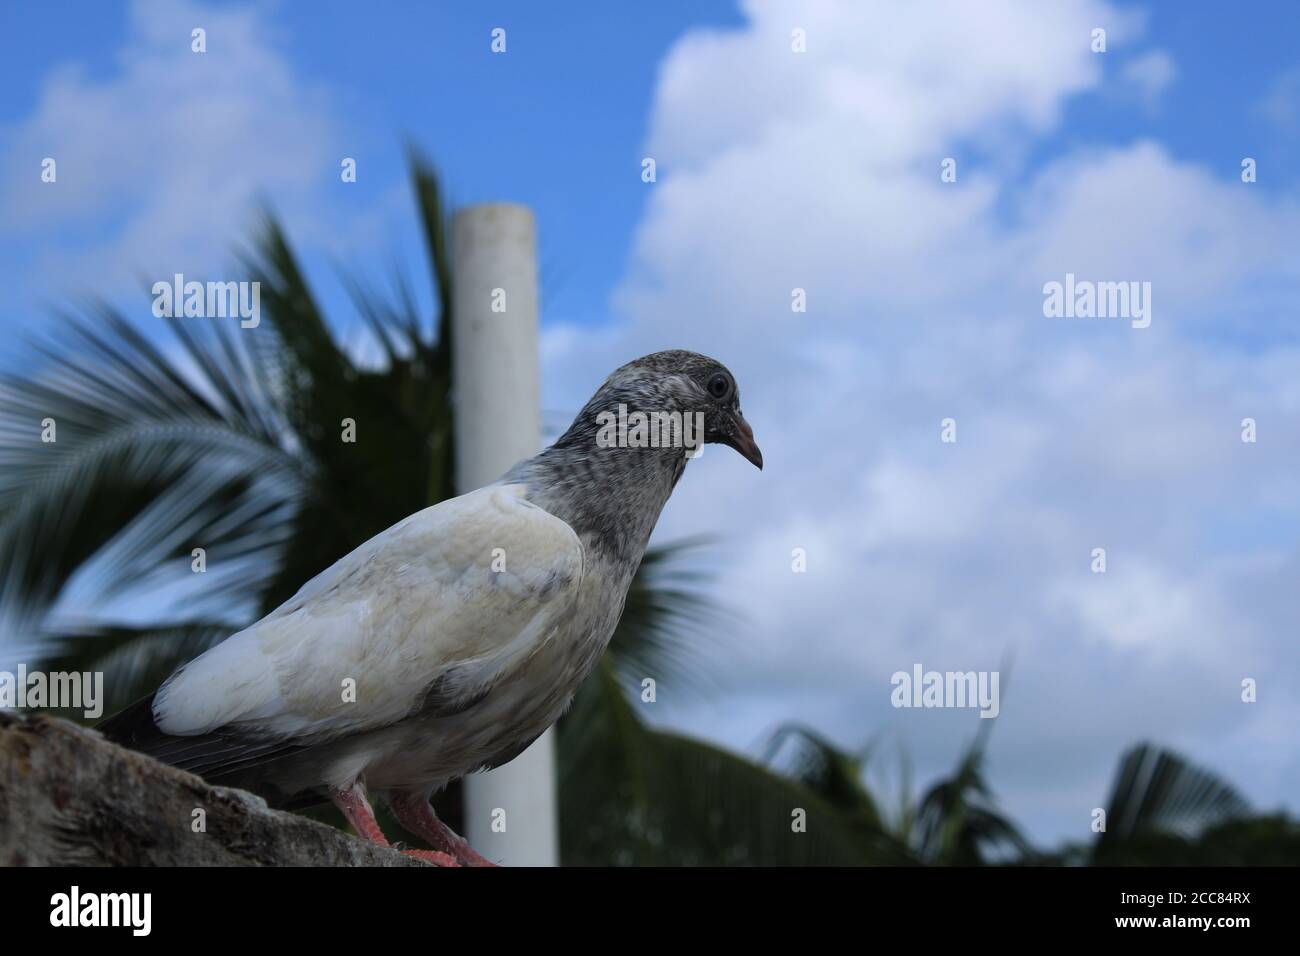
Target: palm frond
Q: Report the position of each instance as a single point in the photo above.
(957, 822)
(130, 657)
(1158, 790)
(829, 771)
(669, 621)
(147, 462)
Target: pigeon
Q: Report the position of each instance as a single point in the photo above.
(450, 642)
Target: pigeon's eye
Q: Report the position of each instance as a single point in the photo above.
(719, 385)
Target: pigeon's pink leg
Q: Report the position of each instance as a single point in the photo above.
(415, 813)
(352, 803)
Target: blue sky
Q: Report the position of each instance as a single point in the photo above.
(817, 171)
(560, 123)
(557, 123)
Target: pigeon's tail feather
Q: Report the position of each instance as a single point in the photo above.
(215, 756)
(133, 726)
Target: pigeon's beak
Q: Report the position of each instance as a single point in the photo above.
(743, 441)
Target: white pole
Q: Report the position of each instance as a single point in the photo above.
(510, 812)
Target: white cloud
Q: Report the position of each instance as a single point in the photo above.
(821, 171)
(162, 164)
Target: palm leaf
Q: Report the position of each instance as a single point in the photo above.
(666, 611)
(957, 823)
(147, 463)
(1158, 791)
(128, 656)
(634, 795)
(834, 774)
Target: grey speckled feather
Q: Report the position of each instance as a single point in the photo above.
(455, 664)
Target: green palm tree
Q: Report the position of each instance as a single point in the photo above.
(954, 823)
(1162, 809)
(637, 795)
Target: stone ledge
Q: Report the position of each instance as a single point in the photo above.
(68, 797)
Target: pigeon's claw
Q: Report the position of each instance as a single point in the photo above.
(432, 857)
(468, 856)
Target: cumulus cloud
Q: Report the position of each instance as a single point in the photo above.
(161, 164)
(821, 171)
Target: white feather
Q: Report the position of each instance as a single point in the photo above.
(416, 604)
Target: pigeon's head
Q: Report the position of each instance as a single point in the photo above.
(686, 384)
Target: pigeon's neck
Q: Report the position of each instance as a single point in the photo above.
(611, 497)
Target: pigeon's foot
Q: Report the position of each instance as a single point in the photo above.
(352, 803)
(415, 813)
(433, 857)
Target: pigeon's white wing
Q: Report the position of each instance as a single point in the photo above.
(423, 617)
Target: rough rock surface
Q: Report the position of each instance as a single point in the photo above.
(69, 797)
